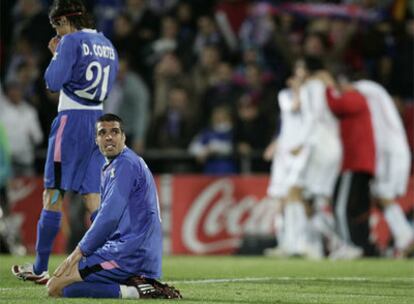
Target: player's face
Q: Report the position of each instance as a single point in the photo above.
(110, 138)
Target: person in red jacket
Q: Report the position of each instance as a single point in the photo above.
(352, 193)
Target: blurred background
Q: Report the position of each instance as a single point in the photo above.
(187, 68)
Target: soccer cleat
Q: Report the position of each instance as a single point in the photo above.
(346, 252)
(153, 289)
(406, 252)
(278, 252)
(25, 272)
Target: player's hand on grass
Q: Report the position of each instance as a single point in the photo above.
(67, 266)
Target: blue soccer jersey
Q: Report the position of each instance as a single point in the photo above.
(84, 67)
(127, 229)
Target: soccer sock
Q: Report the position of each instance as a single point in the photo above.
(93, 215)
(129, 292)
(279, 227)
(399, 226)
(324, 223)
(295, 227)
(47, 229)
(92, 290)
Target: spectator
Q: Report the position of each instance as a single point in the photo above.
(252, 131)
(167, 41)
(262, 90)
(222, 92)
(205, 70)
(169, 73)
(173, 128)
(207, 35)
(129, 99)
(213, 146)
(31, 22)
(124, 39)
(23, 129)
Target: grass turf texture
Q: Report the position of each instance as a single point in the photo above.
(227, 279)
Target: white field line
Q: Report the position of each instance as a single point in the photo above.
(264, 279)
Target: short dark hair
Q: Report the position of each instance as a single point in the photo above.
(111, 117)
(74, 10)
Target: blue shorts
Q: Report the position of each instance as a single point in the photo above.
(96, 269)
(73, 159)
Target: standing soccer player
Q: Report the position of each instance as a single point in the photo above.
(393, 163)
(83, 69)
(120, 255)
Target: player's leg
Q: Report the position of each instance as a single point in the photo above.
(92, 202)
(390, 183)
(295, 221)
(47, 228)
(399, 226)
(50, 217)
(97, 278)
(352, 210)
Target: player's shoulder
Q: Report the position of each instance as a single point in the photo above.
(129, 159)
(368, 84)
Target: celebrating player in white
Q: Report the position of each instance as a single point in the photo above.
(392, 161)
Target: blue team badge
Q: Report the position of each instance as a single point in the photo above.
(112, 173)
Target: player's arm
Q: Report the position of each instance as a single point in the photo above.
(114, 202)
(345, 104)
(60, 67)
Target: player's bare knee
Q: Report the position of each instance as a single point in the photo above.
(52, 200)
(295, 194)
(384, 202)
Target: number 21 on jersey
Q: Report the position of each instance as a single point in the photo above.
(99, 77)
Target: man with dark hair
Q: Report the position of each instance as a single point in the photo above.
(83, 70)
(352, 193)
(120, 255)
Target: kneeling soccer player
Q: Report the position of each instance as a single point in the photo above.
(120, 255)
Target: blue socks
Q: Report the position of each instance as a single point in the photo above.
(92, 290)
(47, 228)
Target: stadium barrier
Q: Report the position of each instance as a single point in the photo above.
(200, 214)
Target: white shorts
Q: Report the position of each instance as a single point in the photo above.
(324, 165)
(287, 171)
(392, 174)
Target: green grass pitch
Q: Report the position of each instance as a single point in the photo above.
(229, 279)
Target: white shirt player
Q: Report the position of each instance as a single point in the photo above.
(321, 133)
(392, 150)
(287, 168)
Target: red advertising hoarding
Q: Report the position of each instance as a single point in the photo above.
(201, 214)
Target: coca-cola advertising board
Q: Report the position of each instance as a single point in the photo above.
(211, 214)
(200, 214)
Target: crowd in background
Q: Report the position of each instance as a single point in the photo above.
(201, 78)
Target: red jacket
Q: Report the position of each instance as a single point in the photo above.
(356, 130)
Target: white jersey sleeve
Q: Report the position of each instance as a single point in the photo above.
(389, 131)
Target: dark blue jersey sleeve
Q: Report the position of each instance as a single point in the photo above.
(60, 67)
(114, 201)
